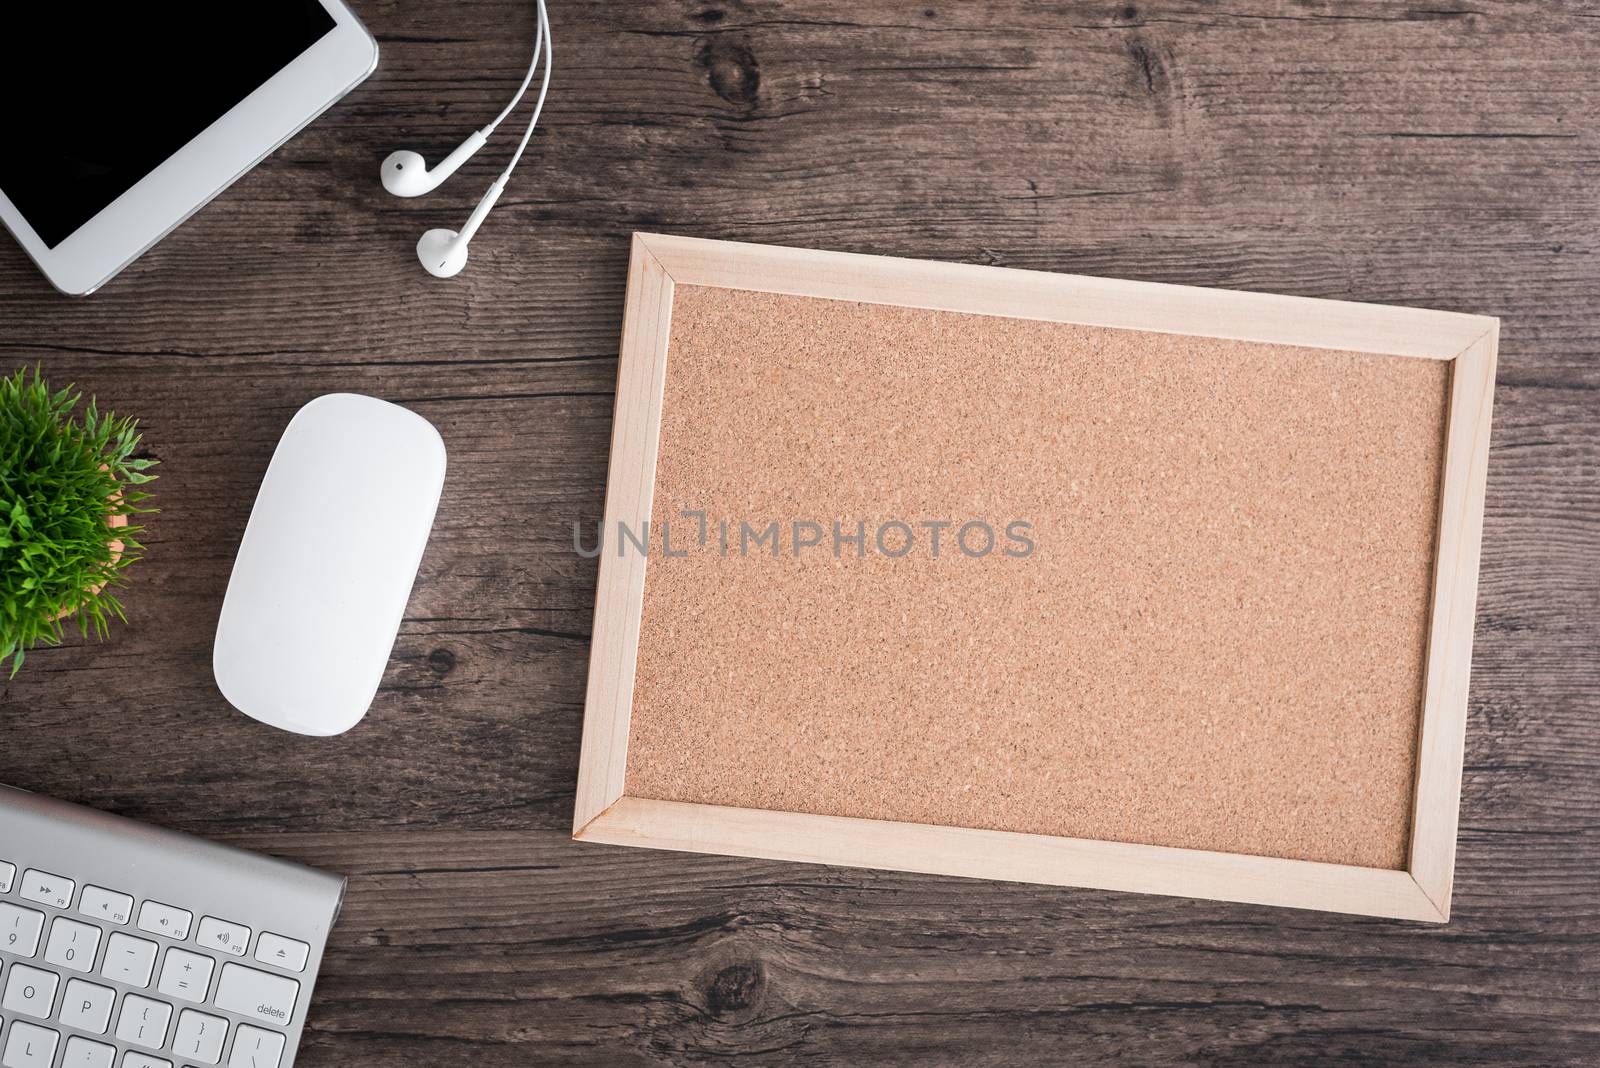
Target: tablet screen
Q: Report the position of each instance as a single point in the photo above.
(98, 96)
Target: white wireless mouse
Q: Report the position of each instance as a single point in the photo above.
(326, 565)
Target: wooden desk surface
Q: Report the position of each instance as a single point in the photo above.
(1445, 158)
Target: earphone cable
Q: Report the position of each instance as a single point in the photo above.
(544, 88)
(527, 79)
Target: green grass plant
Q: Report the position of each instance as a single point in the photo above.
(64, 472)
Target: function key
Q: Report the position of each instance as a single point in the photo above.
(108, 906)
(8, 875)
(281, 952)
(47, 889)
(168, 920)
(224, 937)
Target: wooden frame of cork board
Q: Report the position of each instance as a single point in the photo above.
(704, 283)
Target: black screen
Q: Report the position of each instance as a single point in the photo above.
(97, 95)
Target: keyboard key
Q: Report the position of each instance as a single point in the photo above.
(143, 1022)
(19, 930)
(129, 960)
(199, 1037)
(224, 937)
(107, 906)
(257, 995)
(185, 975)
(87, 1007)
(142, 1060)
(72, 945)
(47, 889)
(255, 1048)
(8, 875)
(282, 952)
(156, 918)
(30, 1047)
(81, 1053)
(30, 992)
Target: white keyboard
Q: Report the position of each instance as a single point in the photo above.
(124, 946)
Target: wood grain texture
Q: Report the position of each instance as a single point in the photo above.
(1444, 157)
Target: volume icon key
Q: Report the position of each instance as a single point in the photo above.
(223, 936)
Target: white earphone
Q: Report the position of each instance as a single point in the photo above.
(406, 174)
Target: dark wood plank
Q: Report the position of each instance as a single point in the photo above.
(1443, 157)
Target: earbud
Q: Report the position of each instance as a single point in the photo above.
(444, 252)
(406, 174)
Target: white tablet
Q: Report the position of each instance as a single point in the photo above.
(124, 119)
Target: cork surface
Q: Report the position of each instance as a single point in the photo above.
(1215, 642)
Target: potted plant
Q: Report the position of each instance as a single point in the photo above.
(69, 484)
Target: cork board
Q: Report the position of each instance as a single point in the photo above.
(1054, 575)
